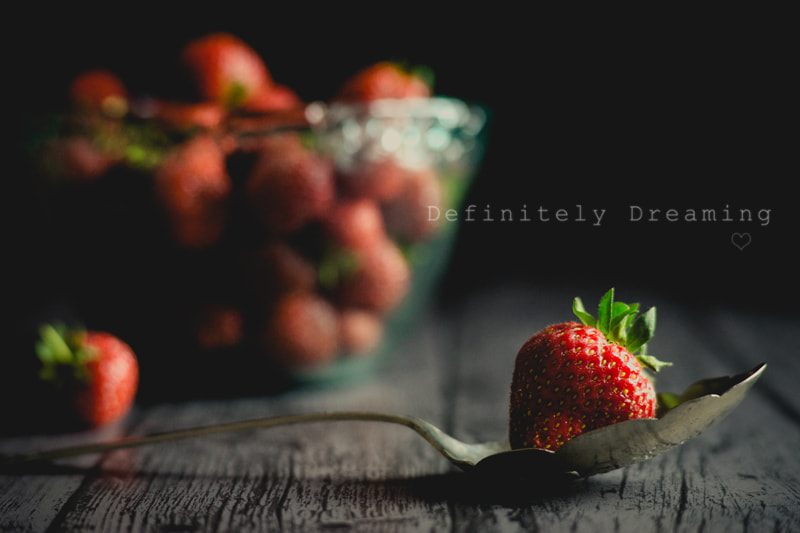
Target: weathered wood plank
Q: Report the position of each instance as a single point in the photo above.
(31, 502)
(726, 479)
(299, 477)
(454, 370)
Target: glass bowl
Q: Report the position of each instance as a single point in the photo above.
(304, 263)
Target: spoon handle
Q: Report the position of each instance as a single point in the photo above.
(421, 427)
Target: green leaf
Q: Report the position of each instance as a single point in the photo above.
(52, 347)
(604, 311)
(580, 312)
(622, 314)
(235, 95)
(642, 330)
(336, 265)
(425, 73)
(668, 400)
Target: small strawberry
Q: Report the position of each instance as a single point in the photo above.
(407, 215)
(193, 185)
(385, 80)
(75, 158)
(99, 90)
(275, 98)
(354, 223)
(571, 378)
(381, 179)
(360, 331)
(302, 331)
(276, 268)
(98, 373)
(225, 69)
(289, 185)
(376, 278)
(184, 116)
(219, 326)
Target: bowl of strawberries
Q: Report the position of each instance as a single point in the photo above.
(296, 238)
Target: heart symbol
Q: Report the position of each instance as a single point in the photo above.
(741, 240)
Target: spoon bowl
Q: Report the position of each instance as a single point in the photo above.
(594, 452)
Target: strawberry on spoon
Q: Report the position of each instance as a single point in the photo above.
(571, 378)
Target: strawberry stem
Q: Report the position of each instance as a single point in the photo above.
(620, 324)
(61, 352)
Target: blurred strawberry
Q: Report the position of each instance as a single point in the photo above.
(99, 90)
(385, 80)
(184, 116)
(360, 331)
(225, 69)
(289, 185)
(193, 185)
(354, 223)
(381, 179)
(407, 215)
(302, 331)
(219, 326)
(275, 98)
(379, 280)
(277, 268)
(75, 158)
(96, 374)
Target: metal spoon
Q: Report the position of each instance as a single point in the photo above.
(593, 452)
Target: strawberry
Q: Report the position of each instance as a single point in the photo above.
(354, 223)
(408, 214)
(571, 378)
(289, 185)
(193, 185)
(75, 158)
(275, 98)
(385, 79)
(219, 326)
(99, 90)
(225, 69)
(375, 278)
(276, 268)
(98, 373)
(360, 331)
(302, 331)
(381, 179)
(185, 116)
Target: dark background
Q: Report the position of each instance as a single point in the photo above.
(649, 112)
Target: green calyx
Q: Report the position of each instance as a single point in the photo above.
(63, 354)
(620, 324)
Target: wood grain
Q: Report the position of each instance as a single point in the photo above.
(454, 370)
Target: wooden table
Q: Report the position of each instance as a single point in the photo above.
(454, 369)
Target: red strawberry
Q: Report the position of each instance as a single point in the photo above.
(381, 180)
(275, 98)
(302, 331)
(193, 185)
(75, 158)
(98, 373)
(407, 215)
(377, 278)
(360, 331)
(571, 378)
(385, 80)
(189, 115)
(99, 90)
(219, 326)
(225, 69)
(354, 223)
(277, 268)
(289, 185)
